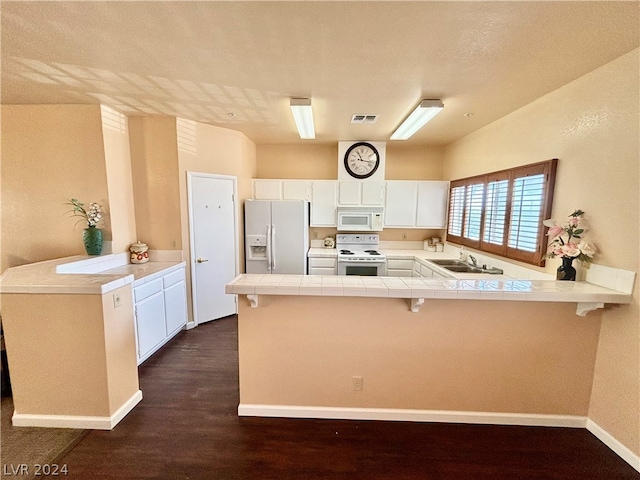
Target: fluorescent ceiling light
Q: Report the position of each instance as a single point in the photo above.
(303, 115)
(425, 111)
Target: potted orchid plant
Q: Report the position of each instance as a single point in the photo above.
(567, 243)
(92, 236)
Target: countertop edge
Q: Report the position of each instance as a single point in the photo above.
(42, 278)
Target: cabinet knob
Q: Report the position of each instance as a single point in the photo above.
(201, 260)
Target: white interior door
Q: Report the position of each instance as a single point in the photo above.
(213, 245)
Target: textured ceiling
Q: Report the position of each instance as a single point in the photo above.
(206, 60)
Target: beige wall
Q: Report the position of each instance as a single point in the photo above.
(50, 153)
(156, 181)
(591, 126)
(118, 166)
(320, 162)
(514, 357)
(75, 356)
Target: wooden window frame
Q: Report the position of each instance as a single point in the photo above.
(537, 257)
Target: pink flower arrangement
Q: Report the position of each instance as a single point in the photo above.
(566, 239)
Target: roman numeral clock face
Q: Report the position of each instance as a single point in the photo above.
(361, 160)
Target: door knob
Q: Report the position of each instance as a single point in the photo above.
(201, 260)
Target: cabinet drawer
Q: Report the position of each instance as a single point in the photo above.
(173, 278)
(146, 290)
(401, 264)
(322, 262)
(398, 272)
(321, 271)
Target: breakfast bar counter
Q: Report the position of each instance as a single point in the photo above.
(588, 296)
(484, 350)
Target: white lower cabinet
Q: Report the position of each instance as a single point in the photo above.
(150, 326)
(175, 307)
(160, 312)
(399, 267)
(323, 266)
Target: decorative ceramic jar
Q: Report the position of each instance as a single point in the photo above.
(92, 239)
(139, 252)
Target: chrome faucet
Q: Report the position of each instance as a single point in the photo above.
(473, 260)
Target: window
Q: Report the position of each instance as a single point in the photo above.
(502, 212)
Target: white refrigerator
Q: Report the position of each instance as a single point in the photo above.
(276, 236)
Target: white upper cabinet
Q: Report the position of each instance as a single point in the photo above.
(349, 193)
(296, 190)
(400, 203)
(267, 189)
(407, 203)
(432, 204)
(324, 197)
(372, 193)
(420, 204)
(360, 193)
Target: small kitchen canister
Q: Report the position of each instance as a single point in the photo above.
(139, 252)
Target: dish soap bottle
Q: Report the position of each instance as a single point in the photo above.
(463, 255)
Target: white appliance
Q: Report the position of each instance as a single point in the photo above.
(358, 255)
(276, 236)
(359, 219)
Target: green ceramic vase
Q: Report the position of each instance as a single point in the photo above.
(92, 238)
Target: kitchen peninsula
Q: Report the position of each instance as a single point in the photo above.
(419, 349)
(74, 339)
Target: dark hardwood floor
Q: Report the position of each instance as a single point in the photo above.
(187, 427)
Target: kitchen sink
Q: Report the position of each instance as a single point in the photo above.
(458, 266)
(463, 268)
(448, 262)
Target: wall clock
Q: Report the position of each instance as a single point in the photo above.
(361, 160)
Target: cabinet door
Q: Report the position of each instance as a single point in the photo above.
(400, 204)
(432, 204)
(150, 323)
(175, 305)
(323, 203)
(295, 190)
(267, 189)
(372, 193)
(349, 193)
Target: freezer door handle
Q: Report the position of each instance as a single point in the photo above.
(273, 248)
(268, 248)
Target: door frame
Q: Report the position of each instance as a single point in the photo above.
(190, 176)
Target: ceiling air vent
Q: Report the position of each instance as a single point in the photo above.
(364, 119)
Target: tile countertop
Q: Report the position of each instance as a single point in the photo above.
(82, 275)
(420, 255)
(588, 296)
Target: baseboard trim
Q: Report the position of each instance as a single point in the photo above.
(77, 421)
(406, 415)
(611, 442)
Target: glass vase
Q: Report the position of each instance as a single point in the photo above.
(566, 271)
(92, 238)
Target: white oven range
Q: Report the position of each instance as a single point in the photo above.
(358, 255)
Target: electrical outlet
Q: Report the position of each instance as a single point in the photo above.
(173, 243)
(357, 384)
(404, 235)
(315, 234)
(117, 301)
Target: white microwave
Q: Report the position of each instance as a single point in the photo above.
(359, 219)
